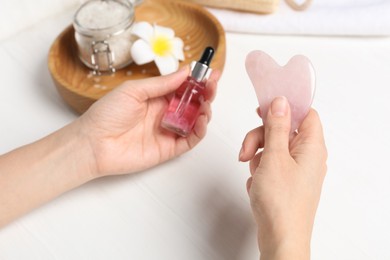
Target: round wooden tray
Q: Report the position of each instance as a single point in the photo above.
(192, 23)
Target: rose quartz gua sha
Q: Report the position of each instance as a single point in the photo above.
(295, 81)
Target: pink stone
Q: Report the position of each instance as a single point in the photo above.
(295, 81)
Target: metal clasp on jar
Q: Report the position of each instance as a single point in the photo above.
(102, 49)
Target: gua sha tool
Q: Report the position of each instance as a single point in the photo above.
(295, 81)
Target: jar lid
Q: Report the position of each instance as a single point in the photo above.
(103, 16)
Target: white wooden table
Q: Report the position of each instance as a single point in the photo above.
(196, 207)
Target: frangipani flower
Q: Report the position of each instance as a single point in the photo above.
(157, 43)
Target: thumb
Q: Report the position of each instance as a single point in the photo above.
(277, 127)
(158, 86)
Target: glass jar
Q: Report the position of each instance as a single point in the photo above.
(103, 34)
(136, 2)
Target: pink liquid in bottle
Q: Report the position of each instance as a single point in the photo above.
(183, 110)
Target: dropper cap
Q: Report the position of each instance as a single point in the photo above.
(207, 56)
(201, 67)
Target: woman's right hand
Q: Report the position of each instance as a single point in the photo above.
(286, 181)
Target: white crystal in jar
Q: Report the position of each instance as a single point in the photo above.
(103, 34)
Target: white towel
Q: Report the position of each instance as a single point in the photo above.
(323, 17)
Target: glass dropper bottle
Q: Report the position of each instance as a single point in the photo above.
(184, 108)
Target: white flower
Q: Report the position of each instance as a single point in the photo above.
(159, 44)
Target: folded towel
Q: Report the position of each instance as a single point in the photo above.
(256, 6)
(323, 17)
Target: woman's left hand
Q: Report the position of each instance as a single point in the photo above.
(123, 128)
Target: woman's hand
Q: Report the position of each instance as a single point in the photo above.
(286, 181)
(124, 131)
(120, 133)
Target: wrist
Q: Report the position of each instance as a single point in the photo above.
(286, 251)
(284, 247)
(42, 171)
(81, 155)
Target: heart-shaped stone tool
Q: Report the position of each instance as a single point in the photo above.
(295, 81)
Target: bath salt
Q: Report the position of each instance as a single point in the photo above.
(102, 14)
(103, 34)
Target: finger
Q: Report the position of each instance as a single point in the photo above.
(200, 127)
(258, 111)
(310, 133)
(211, 86)
(254, 163)
(277, 127)
(215, 75)
(145, 89)
(312, 126)
(252, 142)
(198, 132)
(249, 184)
(185, 144)
(205, 109)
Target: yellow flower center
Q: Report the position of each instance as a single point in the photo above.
(161, 45)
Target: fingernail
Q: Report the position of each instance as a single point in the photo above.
(241, 152)
(183, 68)
(279, 107)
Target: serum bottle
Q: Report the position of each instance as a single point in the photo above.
(183, 109)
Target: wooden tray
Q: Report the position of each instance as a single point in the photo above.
(192, 23)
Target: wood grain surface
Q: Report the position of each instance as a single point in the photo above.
(192, 23)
